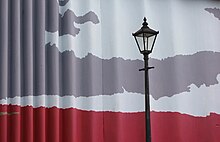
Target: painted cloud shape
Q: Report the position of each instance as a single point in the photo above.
(214, 11)
(63, 2)
(65, 23)
(69, 18)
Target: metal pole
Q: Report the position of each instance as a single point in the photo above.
(147, 99)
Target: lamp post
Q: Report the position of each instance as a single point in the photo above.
(145, 39)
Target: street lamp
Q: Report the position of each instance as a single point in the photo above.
(145, 39)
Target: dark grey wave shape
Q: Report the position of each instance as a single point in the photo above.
(92, 76)
(173, 75)
(63, 2)
(214, 11)
(65, 24)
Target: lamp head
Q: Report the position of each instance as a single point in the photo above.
(145, 38)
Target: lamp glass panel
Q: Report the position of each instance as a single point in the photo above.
(149, 42)
(140, 43)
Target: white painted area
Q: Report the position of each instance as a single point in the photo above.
(87, 41)
(81, 7)
(198, 102)
(185, 27)
(89, 38)
(53, 38)
(124, 102)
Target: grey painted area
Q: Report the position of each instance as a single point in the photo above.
(22, 47)
(81, 77)
(14, 49)
(173, 75)
(94, 76)
(63, 2)
(214, 11)
(3, 48)
(65, 23)
(27, 49)
(91, 76)
(39, 47)
(69, 18)
(52, 15)
(52, 72)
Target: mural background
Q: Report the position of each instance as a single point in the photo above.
(69, 71)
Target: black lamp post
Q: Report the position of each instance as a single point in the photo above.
(145, 39)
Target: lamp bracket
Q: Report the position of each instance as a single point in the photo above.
(148, 68)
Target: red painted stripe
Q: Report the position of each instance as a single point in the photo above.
(176, 127)
(72, 125)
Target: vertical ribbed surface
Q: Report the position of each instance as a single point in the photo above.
(52, 75)
(14, 48)
(14, 60)
(27, 67)
(27, 64)
(52, 57)
(4, 47)
(27, 47)
(39, 46)
(39, 67)
(4, 60)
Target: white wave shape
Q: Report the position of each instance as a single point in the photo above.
(80, 7)
(87, 41)
(89, 38)
(121, 102)
(198, 102)
(118, 21)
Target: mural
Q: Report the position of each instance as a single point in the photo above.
(69, 71)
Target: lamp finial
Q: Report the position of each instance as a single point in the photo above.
(145, 22)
